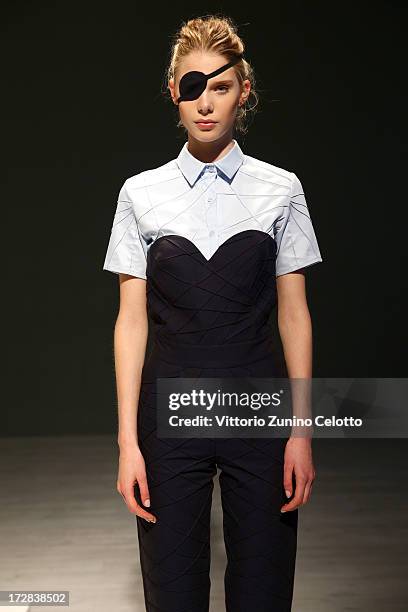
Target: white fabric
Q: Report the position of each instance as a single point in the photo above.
(208, 203)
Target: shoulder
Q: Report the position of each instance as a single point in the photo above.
(262, 170)
(153, 176)
(140, 189)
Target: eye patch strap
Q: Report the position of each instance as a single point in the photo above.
(219, 70)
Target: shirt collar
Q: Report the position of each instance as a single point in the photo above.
(192, 167)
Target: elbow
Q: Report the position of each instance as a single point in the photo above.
(132, 321)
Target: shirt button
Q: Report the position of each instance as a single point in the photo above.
(212, 233)
(210, 168)
(210, 199)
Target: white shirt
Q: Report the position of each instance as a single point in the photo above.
(209, 203)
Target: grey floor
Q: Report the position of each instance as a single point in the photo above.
(64, 527)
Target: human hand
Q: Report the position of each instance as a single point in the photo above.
(298, 460)
(132, 471)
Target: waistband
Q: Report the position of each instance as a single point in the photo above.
(170, 349)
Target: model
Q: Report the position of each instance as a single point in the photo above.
(205, 246)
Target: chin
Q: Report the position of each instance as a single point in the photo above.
(208, 136)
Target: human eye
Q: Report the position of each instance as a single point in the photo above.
(224, 88)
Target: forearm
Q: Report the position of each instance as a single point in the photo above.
(296, 334)
(130, 338)
(295, 330)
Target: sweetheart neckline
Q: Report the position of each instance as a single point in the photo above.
(218, 248)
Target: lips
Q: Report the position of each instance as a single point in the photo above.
(205, 126)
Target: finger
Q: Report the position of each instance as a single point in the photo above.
(133, 507)
(145, 515)
(288, 479)
(298, 498)
(311, 483)
(306, 495)
(144, 491)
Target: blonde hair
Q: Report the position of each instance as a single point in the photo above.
(217, 34)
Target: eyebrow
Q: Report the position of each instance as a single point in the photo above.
(223, 82)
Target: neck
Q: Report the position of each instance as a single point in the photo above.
(209, 152)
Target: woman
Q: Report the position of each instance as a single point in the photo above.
(205, 245)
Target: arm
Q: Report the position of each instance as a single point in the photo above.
(295, 329)
(130, 339)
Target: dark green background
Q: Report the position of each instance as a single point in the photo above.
(83, 109)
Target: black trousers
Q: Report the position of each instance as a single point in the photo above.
(260, 541)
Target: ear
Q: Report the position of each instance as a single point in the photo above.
(172, 91)
(245, 94)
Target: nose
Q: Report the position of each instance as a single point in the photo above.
(204, 102)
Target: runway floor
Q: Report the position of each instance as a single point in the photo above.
(63, 526)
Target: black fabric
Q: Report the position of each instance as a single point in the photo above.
(193, 83)
(209, 319)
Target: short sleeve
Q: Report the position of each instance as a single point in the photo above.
(297, 245)
(126, 252)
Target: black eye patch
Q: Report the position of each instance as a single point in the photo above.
(193, 83)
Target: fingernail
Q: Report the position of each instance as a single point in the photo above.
(283, 511)
(288, 493)
(147, 503)
(153, 520)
